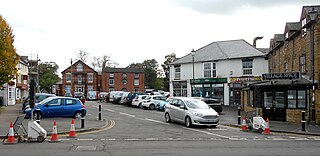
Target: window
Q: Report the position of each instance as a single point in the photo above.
(292, 99)
(19, 78)
(55, 102)
(304, 29)
(124, 75)
(18, 93)
(247, 67)
(214, 73)
(136, 89)
(79, 78)
(111, 89)
(111, 82)
(68, 77)
(124, 81)
(285, 67)
(90, 77)
(303, 65)
(111, 74)
(70, 102)
(67, 89)
(136, 82)
(250, 103)
(136, 75)
(207, 70)
(79, 67)
(11, 93)
(90, 88)
(177, 72)
(302, 102)
(297, 99)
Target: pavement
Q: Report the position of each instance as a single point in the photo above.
(228, 118)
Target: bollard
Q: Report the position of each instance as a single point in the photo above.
(303, 121)
(82, 118)
(239, 115)
(99, 111)
(38, 116)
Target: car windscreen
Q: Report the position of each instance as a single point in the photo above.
(45, 100)
(196, 104)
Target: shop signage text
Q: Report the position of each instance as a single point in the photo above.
(245, 79)
(290, 76)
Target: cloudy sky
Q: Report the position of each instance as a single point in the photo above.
(131, 31)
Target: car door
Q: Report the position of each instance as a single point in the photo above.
(70, 107)
(181, 111)
(173, 109)
(53, 108)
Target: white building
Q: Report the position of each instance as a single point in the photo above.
(217, 71)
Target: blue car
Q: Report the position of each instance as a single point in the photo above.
(58, 107)
(161, 105)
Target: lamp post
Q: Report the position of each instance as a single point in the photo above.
(313, 15)
(192, 53)
(71, 77)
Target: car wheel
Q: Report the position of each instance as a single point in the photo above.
(167, 118)
(35, 115)
(40, 138)
(77, 115)
(152, 107)
(188, 122)
(140, 105)
(213, 126)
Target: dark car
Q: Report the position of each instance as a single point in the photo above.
(214, 103)
(38, 98)
(131, 96)
(80, 96)
(58, 107)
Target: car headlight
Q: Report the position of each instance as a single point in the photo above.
(197, 114)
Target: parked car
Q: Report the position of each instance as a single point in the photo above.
(112, 95)
(103, 96)
(214, 103)
(150, 101)
(161, 105)
(68, 95)
(137, 101)
(92, 95)
(190, 112)
(115, 97)
(58, 107)
(80, 96)
(132, 96)
(123, 99)
(38, 98)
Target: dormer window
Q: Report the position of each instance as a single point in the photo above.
(304, 28)
(79, 67)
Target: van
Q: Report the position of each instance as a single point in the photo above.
(92, 95)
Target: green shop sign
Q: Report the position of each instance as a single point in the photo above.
(208, 80)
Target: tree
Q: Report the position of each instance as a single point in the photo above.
(8, 56)
(166, 68)
(151, 72)
(47, 75)
(82, 55)
(135, 65)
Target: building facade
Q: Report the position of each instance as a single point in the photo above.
(217, 70)
(22, 90)
(287, 89)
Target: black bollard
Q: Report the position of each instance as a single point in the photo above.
(303, 121)
(99, 111)
(38, 115)
(82, 118)
(239, 115)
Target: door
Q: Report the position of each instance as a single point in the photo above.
(53, 108)
(274, 106)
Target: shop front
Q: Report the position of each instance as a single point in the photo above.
(208, 88)
(180, 88)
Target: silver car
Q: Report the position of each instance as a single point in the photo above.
(190, 112)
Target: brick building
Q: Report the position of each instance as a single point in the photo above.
(125, 79)
(286, 90)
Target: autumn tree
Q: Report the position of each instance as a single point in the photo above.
(82, 55)
(48, 75)
(166, 68)
(100, 63)
(8, 56)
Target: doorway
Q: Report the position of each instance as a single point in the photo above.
(274, 106)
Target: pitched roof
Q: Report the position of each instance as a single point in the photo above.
(77, 63)
(123, 70)
(293, 26)
(306, 9)
(222, 50)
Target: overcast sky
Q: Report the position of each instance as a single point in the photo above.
(131, 31)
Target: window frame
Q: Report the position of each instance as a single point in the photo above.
(247, 67)
(90, 77)
(111, 80)
(68, 77)
(302, 64)
(177, 73)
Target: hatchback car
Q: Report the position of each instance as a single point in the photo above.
(58, 107)
(161, 105)
(150, 101)
(190, 112)
(38, 98)
(137, 101)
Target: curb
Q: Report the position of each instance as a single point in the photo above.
(279, 131)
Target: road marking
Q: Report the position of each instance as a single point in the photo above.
(217, 129)
(110, 110)
(156, 121)
(127, 114)
(221, 136)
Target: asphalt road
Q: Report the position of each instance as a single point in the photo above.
(144, 132)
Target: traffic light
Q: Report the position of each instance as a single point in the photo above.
(32, 94)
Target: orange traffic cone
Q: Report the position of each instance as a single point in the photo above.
(244, 125)
(267, 128)
(72, 133)
(54, 135)
(11, 139)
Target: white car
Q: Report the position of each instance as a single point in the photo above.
(151, 101)
(137, 101)
(190, 112)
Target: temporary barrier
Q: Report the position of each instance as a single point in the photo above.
(72, 133)
(10, 139)
(54, 135)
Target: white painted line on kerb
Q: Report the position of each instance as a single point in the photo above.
(221, 136)
(156, 121)
(127, 114)
(109, 110)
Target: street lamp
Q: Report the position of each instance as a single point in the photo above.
(192, 53)
(71, 77)
(313, 15)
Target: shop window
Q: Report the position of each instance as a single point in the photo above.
(292, 99)
(247, 67)
(177, 73)
(250, 101)
(302, 100)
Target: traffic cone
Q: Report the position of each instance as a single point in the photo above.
(244, 125)
(54, 135)
(267, 127)
(10, 139)
(72, 133)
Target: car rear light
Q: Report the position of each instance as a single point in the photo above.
(83, 106)
(136, 100)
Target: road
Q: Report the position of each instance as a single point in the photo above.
(134, 131)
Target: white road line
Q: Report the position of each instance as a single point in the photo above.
(156, 121)
(217, 129)
(221, 136)
(127, 114)
(109, 110)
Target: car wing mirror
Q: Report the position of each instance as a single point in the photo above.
(181, 107)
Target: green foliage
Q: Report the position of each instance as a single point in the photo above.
(8, 56)
(166, 68)
(151, 72)
(47, 75)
